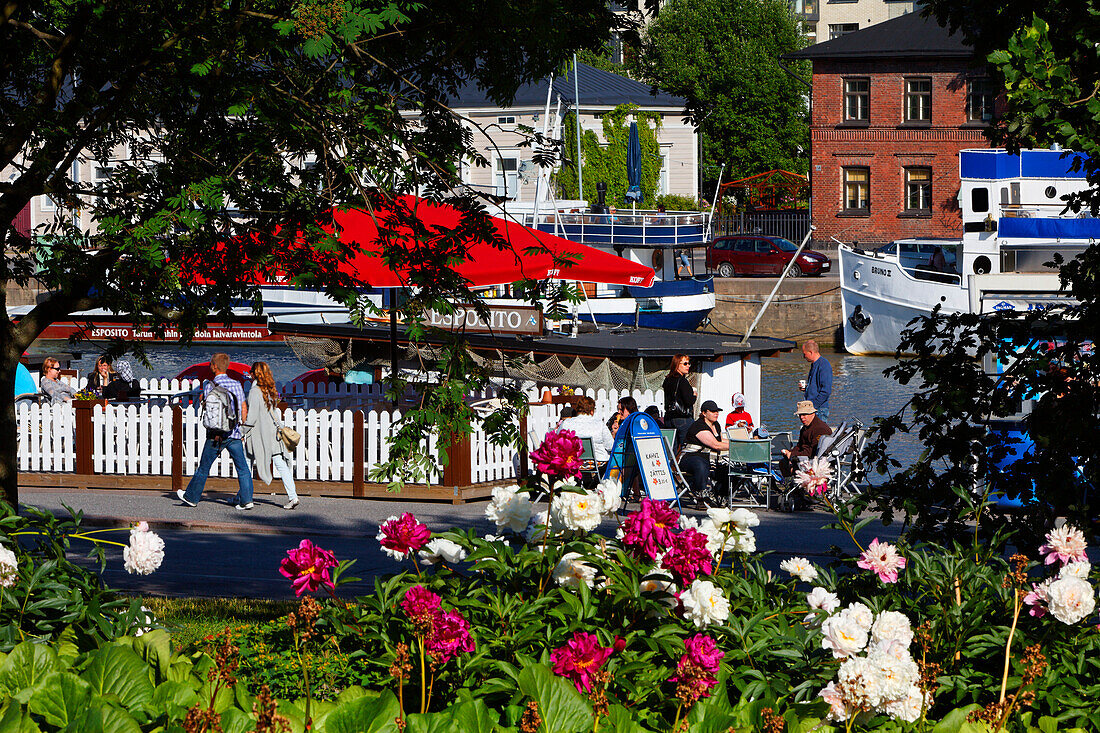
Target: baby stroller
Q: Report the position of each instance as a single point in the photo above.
(842, 451)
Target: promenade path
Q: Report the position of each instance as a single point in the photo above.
(214, 550)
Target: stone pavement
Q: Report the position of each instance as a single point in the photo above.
(216, 550)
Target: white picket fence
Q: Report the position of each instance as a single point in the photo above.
(137, 439)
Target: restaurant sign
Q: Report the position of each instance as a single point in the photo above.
(522, 320)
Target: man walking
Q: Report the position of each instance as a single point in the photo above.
(216, 440)
(819, 382)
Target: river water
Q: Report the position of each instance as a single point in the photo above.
(860, 391)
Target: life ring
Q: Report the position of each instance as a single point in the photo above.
(657, 261)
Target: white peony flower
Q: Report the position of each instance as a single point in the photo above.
(741, 540)
(896, 674)
(843, 635)
(1070, 599)
(838, 710)
(720, 515)
(571, 571)
(9, 568)
(743, 519)
(909, 707)
(145, 552)
(576, 511)
(704, 603)
(610, 492)
(440, 549)
(892, 626)
(1076, 570)
(493, 537)
(509, 508)
(821, 600)
(860, 614)
(689, 522)
(800, 568)
(859, 684)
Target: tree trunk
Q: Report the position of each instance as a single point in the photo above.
(9, 468)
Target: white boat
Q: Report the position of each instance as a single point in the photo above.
(1014, 222)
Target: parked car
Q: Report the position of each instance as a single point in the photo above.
(740, 254)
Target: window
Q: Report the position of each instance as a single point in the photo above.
(979, 199)
(857, 190)
(506, 179)
(48, 204)
(662, 178)
(836, 30)
(857, 100)
(918, 190)
(918, 100)
(979, 100)
(509, 120)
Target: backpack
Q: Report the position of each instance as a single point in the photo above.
(219, 412)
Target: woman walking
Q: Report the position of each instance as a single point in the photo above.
(261, 439)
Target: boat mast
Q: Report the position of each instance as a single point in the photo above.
(577, 114)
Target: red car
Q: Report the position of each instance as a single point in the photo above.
(740, 254)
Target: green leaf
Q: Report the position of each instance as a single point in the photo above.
(622, 721)
(470, 716)
(17, 720)
(117, 670)
(25, 668)
(235, 720)
(365, 715)
(104, 719)
(562, 708)
(61, 698)
(954, 721)
(174, 698)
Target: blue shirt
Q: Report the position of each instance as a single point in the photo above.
(819, 383)
(235, 389)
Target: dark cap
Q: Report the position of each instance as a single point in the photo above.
(709, 406)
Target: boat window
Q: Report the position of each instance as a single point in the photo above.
(1015, 188)
(1004, 195)
(784, 245)
(979, 199)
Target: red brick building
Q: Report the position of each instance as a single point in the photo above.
(892, 106)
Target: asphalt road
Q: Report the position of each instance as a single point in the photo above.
(214, 550)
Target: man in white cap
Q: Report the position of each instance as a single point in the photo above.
(813, 430)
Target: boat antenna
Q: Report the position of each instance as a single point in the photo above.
(577, 114)
(760, 313)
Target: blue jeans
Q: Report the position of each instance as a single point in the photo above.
(210, 451)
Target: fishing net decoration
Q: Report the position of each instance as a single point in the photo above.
(586, 374)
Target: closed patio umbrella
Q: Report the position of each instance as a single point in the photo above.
(634, 166)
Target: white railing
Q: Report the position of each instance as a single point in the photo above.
(138, 439)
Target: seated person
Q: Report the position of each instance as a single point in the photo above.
(50, 382)
(626, 406)
(124, 388)
(703, 446)
(813, 430)
(655, 412)
(586, 425)
(101, 375)
(739, 414)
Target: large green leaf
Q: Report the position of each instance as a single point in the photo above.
(61, 698)
(174, 698)
(17, 720)
(117, 670)
(364, 715)
(155, 647)
(235, 720)
(470, 716)
(25, 668)
(622, 720)
(954, 721)
(562, 708)
(104, 719)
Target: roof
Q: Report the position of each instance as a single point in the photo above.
(907, 36)
(623, 343)
(595, 87)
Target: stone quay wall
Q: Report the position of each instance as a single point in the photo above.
(804, 308)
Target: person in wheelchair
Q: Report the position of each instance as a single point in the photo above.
(813, 430)
(701, 453)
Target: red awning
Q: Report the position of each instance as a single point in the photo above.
(483, 263)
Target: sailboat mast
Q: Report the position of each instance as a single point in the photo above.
(577, 108)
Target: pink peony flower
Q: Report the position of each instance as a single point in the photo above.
(449, 637)
(649, 531)
(579, 658)
(883, 559)
(704, 652)
(421, 605)
(814, 476)
(1037, 598)
(688, 555)
(1065, 544)
(695, 673)
(559, 454)
(307, 567)
(401, 537)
